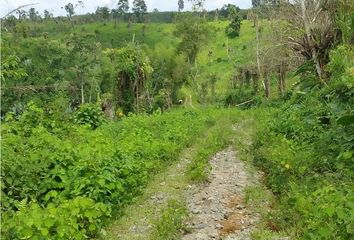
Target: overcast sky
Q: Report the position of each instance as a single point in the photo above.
(54, 6)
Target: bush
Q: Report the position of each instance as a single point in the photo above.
(89, 114)
(171, 222)
(307, 153)
(61, 180)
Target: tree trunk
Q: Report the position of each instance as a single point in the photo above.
(258, 58)
(82, 92)
(266, 84)
(255, 82)
(227, 49)
(281, 79)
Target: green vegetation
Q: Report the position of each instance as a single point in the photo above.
(307, 152)
(171, 221)
(94, 106)
(214, 140)
(51, 170)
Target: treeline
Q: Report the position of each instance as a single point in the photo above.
(79, 68)
(122, 13)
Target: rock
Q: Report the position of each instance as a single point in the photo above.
(218, 226)
(195, 211)
(213, 204)
(200, 226)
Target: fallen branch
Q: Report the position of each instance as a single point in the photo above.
(244, 103)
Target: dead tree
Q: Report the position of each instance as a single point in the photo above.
(312, 32)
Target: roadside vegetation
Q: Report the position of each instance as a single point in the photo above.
(95, 106)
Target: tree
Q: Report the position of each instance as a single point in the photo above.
(115, 16)
(22, 14)
(33, 14)
(233, 29)
(256, 3)
(228, 9)
(102, 13)
(197, 5)
(17, 9)
(132, 67)
(194, 34)
(47, 14)
(69, 8)
(180, 5)
(9, 23)
(82, 51)
(312, 32)
(123, 8)
(140, 9)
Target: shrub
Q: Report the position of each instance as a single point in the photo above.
(61, 180)
(307, 154)
(89, 114)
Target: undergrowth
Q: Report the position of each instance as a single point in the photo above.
(62, 180)
(171, 221)
(307, 154)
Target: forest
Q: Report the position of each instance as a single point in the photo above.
(119, 123)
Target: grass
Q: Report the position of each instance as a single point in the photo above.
(216, 139)
(258, 198)
(171, 221)
(161, 207)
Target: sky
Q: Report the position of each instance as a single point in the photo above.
(55, 6)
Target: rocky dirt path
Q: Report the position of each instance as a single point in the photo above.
(218, 208)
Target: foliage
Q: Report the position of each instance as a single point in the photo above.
(103, 13)
(180, 5)
(132, 66)
(233, 29)
(69, 8)
(140, 9)
(122, 7)
(11, 70)
(89, 114)
(194, 34)
(307, 153)
(244, 96)
(83, 51)
(55, 184)
(171, 222)
(344, 19)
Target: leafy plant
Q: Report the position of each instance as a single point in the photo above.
(89, 114)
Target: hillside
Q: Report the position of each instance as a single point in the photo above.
(184, 128)
(159, 37)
